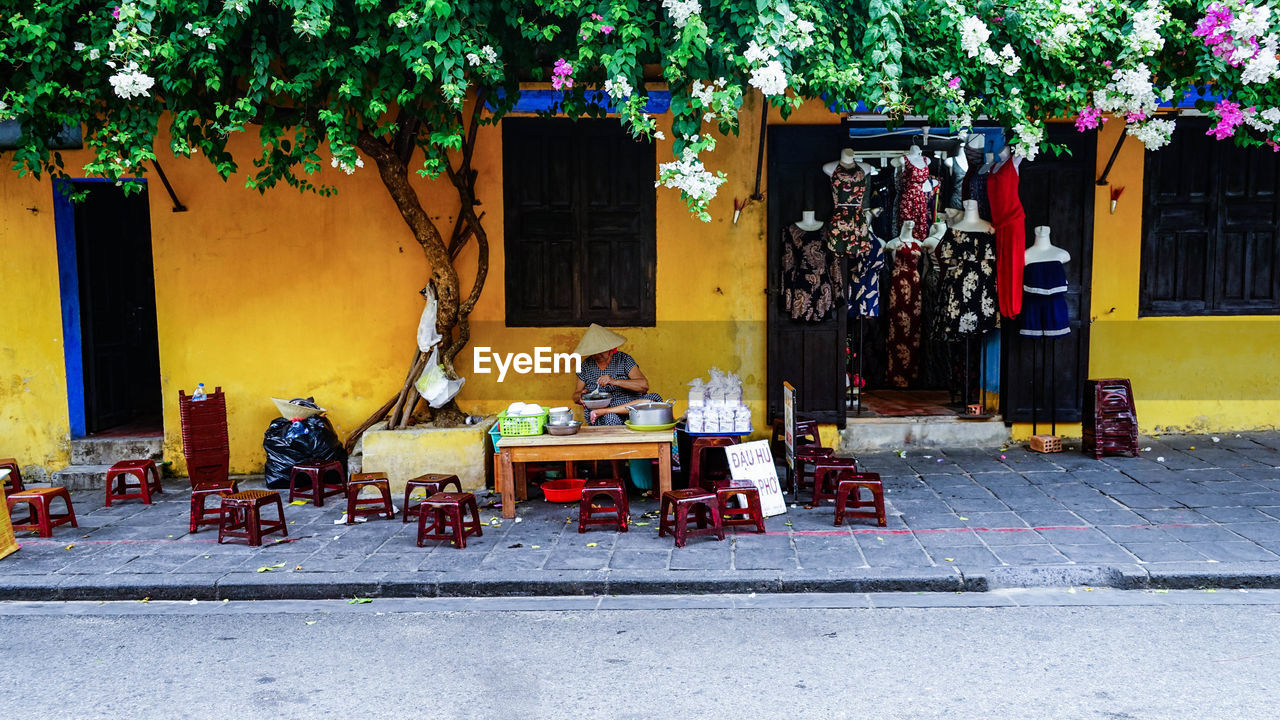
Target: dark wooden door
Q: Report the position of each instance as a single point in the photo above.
(808, 355)
(1043, 378)
(121, 356)
(1211, 217)
(580, 223)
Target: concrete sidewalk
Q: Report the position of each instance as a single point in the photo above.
(1193, 511)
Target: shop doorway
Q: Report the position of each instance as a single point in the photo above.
(1043, 378)
(108, 309)
(822, 358)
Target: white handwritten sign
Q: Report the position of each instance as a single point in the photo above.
(752, 462)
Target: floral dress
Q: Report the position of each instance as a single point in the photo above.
(847, 229)
(904, 316)
(865, 268)
(913, 202)
(969, 305)
(810, 275)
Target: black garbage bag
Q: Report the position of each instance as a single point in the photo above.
(289, 442)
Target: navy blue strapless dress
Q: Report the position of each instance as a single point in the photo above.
(1044, 300)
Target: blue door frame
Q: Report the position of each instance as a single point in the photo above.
(64, 222)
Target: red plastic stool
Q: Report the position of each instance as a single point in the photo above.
(697, 450)
(144, 471)
(369, 506)
(242, 516)
(801, 476)
(201, 514)
(679, 503)
(12, 481)
(751, 515)
(615, 515)
(823, 470)
(849, 484)
(432, 483)
(322, 474)
(40, 516)
(445, 511)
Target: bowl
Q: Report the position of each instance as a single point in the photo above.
(569, 428)
(596, 403)
(566, 490)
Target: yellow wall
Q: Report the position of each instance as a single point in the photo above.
(33, 403)
(286, 294)
(1188, 373)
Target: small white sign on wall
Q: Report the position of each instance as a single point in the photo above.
(752, 462)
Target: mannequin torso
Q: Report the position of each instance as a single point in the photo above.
(807, 222)
(1042, 250)
(849, 161)
(970, 221)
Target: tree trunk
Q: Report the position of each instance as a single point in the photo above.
(452, 311)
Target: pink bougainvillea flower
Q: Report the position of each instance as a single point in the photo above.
(1229, 118)
(562, 75)
(1106, 63)
(1089, 119)
(1135, 116)
(115, 13)
(1275, 147)
(606, 29)
(953, 83)
(596, 16)
(1214, 25)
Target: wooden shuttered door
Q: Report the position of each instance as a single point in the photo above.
(1211, 227)
(579, 224)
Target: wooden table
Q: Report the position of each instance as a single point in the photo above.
(590, 443)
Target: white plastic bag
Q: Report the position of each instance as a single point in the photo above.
(428, 338)
(434, 386)
(697, 393)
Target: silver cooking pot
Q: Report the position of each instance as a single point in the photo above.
(652, 413)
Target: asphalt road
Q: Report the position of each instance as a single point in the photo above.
(1010, 654)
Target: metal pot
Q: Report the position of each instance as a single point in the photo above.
(651, 413)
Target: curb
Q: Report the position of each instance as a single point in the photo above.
(482, 583)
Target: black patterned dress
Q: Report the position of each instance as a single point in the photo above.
(968, 287)
(847, 229)
(810, 275)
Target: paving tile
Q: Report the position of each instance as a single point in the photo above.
(1201, 533)
(1073, 536)
(964, 556)
(948, 538)
(1051, 518)
(1029, 555)
(1238, 514)
(1176, 516)
(1135, 533)
(1098, 553)
(1117, 516)
(1257, 532)
(769, 559)
(994, 520)
(994, 538)
(701, 553)
(640, 559)
(1235, 551)
(968, 505)
(1156, 552)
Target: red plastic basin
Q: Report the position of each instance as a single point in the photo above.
(566, 490)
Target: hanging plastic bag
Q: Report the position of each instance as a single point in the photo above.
(428, 337)
(434, 385)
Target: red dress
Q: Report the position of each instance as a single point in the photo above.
(1011, 236)
(913, 204)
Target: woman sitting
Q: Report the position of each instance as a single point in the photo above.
(612, 372)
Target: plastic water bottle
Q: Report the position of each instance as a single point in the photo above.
(199, 394)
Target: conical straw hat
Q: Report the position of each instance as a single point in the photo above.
(289, 411)
(597, 339)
